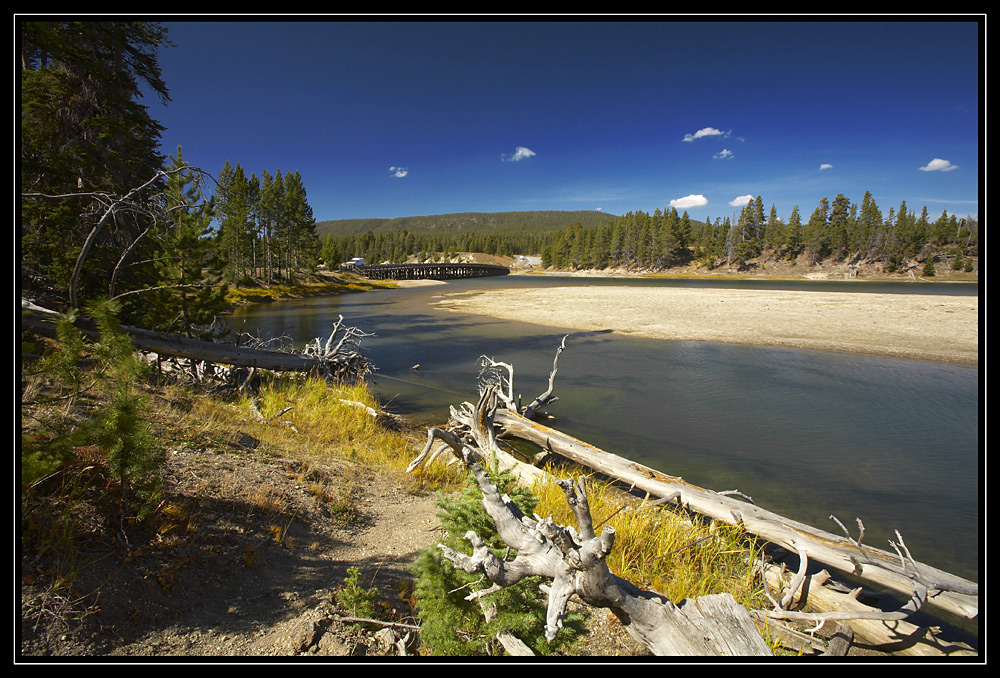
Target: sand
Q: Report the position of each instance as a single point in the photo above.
(912, 326)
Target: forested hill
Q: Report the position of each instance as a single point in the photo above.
(466, 222)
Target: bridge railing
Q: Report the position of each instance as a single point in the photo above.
(427, 271)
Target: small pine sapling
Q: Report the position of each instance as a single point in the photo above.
(454, 626)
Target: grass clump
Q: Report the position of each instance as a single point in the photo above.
(663, 551)
(333, 421)
(330, 284)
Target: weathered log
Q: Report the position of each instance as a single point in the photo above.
(955, 595)
(42, 320)
(900, 637)
(575, 561)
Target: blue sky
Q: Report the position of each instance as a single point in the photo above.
(390, 119)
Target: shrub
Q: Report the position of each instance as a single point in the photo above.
(451, 625)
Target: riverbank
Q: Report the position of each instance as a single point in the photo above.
(922, 327)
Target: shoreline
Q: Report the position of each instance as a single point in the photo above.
(922, 327)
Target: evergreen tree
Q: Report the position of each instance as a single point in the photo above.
(817, 238)
(670, 244)
(838, 226)
(684, 236)
(451, 625)
(793, 233)
(298, 224)
(188, 293)
(773, 235)
(84, 130)
(133, 453)
(868, 229)
(233, 210)
(757, 225)
(331, 254)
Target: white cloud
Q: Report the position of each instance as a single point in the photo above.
(723, 154)
(824, 166)
(705, 132)
(938, 165)
(520, 153)
(398, 172)
(689, 201)
(740, 200)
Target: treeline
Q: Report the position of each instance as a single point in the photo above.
(396, 247)
(265, 225)
(443, 235)
(465, 222)
(839, 230)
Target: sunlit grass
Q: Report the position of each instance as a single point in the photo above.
(332, 284)
(663, 551)
(331, 422)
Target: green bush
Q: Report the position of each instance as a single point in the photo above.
(355, 599)
(453, 626)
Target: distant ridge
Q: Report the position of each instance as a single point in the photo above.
(467, 222)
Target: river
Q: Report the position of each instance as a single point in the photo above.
(808, 434)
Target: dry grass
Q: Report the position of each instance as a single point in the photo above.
(325, 422)
(327, 283)
(660, 550)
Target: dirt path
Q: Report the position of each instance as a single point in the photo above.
(247, 569)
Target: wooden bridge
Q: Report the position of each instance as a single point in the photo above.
(426, 271)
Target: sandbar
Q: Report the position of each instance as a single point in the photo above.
(934, 327)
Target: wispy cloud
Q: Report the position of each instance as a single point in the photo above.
(520, 153)
(938, 165)
(689, 201)
(706, 132)
(398, 172)
(741, 200)
(724, 154)
(825, 166)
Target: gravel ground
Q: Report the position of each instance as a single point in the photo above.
(915, 326)
(247, 570)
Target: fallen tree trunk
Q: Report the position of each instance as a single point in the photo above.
(336, 360)
(955, 595)
(575, 561)
(897, 636)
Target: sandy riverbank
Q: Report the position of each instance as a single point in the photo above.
(915, 326)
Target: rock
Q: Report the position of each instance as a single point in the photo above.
(305, 634)
(386, 639)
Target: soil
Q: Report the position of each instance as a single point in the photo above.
(246, 566)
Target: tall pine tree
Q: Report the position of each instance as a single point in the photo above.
(189, 292)
(83, 129)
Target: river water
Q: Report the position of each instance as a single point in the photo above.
(807, 434)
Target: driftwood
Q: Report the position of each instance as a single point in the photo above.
(952, 594)
(341, 359)
(473, 438)
(575, 561)
(828, 600)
